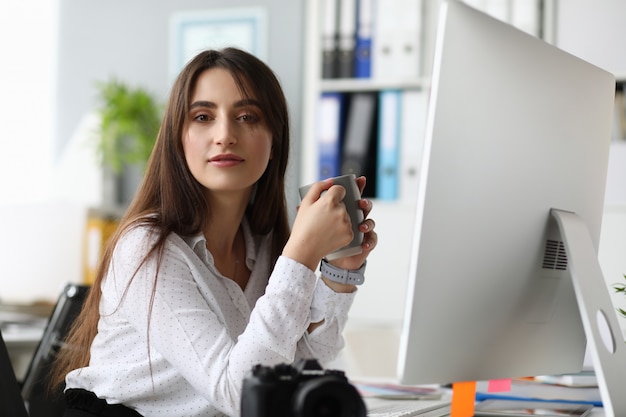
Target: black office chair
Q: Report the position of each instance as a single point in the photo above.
(41, 402)
(11, 401)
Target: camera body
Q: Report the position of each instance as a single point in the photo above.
(301, 389)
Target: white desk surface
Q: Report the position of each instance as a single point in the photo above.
(528, 390)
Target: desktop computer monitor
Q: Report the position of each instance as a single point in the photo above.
(515, 128)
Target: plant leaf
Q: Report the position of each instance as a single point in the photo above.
(130, 121)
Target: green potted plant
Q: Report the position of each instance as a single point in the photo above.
(129, 123)
(130, 120)
(620, 288)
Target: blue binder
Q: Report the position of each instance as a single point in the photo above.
(363, 49)
(388, 144)
(329, 119)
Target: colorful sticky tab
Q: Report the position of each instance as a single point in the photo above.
(499, 385)
(463, 399)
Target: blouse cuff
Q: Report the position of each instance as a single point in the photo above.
(328, 303)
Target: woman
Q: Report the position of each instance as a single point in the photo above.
(204, 279)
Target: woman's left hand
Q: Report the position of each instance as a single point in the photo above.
(370, 239)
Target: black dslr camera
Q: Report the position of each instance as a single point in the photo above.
(304, 389)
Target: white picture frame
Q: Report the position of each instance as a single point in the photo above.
(194, 31)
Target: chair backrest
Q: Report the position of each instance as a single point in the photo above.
(40, 400)
(11, 401)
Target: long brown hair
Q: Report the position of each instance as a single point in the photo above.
(172, 201)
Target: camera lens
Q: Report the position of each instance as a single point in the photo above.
(328, 396)
(326, 407)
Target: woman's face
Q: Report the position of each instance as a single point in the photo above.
(226, 140)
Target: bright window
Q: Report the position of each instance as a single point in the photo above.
(28, 45)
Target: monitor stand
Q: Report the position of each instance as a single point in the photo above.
(597, 312)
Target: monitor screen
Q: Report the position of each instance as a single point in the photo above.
(515, 128)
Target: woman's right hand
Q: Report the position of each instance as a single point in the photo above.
(322, 225)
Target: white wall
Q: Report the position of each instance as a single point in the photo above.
(41, 249)
(612, 254)
(595, 31)
(34, 244)
(612, 251)
(26, 98)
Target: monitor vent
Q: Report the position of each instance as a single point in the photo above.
(555, 256)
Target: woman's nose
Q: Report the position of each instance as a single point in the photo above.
(225, 132)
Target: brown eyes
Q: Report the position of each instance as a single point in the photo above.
(244, 118)
(248, 118)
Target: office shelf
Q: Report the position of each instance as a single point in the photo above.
(382, 297)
